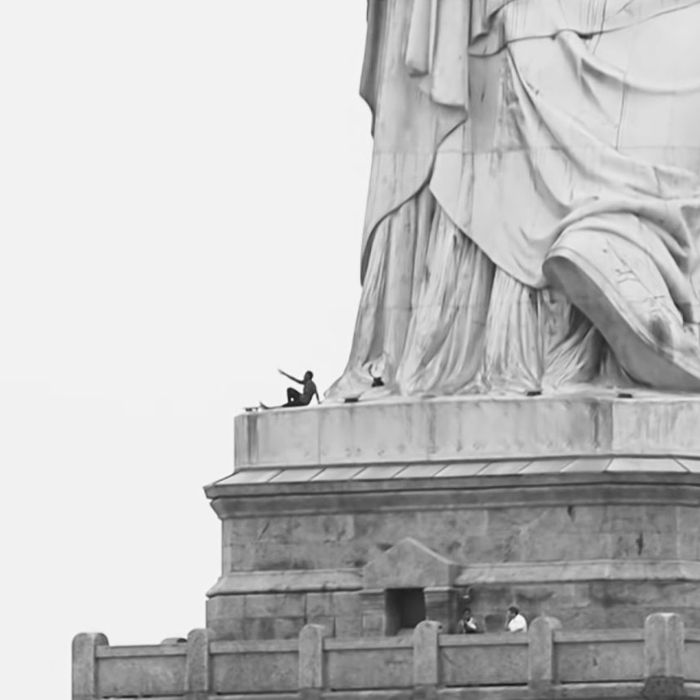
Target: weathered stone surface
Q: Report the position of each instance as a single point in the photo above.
(311, 659)
(319, 604)
(226, 606)
(591, 548)
(325, 621)
(286, 581)
(688, 519)
(346, 604)
(275, 605)
(663, 688)
(255, 672)
(483, 659)
(663, 646)
(441, 605)
(589, 536)
(197, 671)
(239, 556)
(364, 437)
(288, 627)
(381, 667)
(131, 674)
(259, 628)
(425, 654)
(475, 428)
(377, 527)
(409, 564)
(589, 660)
(691, 661)
(348, 626)
(541, 672)
(84, 669)
(227, 628)
(373, 601)
(259, 443)
(668, 427)
(314, 528)
(373, 624)
(623, 569)
(689, 545)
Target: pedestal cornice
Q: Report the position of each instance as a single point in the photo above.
(443, 431)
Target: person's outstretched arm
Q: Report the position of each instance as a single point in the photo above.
(289, 376)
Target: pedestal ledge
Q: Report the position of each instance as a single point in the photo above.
(469, 436)
(290, 475)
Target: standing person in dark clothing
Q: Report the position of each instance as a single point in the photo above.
(295, 397)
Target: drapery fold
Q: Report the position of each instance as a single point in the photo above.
(512, 125)
(415, 80)
(437, 317)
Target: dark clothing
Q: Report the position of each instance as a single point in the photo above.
(468, 626)
(295, 398)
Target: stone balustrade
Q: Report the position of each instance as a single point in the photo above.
(661, 661)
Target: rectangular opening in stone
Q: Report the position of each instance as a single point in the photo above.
(405, 608)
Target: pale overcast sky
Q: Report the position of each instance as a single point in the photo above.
(181, 203)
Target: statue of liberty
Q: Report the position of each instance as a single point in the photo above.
(534, 203)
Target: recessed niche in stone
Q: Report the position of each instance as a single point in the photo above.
(405, 608)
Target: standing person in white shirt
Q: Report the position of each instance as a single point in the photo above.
(515, 622)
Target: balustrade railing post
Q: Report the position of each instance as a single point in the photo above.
(197, 675)
(84, 665)
(541, 672)
(312, 672)
(664, 642)
(426, 660)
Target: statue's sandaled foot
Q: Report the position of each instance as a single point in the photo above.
(617, 285)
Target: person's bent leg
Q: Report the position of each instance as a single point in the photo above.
(293, 397)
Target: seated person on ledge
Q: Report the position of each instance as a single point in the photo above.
(296, 398)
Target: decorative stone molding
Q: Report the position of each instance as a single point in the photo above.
(582, 570)
(409, 564)
(238, 582)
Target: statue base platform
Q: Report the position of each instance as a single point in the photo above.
(469, 429)
(367, 518)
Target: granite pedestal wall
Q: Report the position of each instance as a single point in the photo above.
(586, 509)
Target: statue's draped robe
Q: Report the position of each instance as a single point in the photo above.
(503, 129)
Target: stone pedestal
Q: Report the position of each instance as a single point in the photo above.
(584, 509)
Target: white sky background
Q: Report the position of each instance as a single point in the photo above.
(182, 189)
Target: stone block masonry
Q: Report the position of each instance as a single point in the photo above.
(592, 550)
(282, 615)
